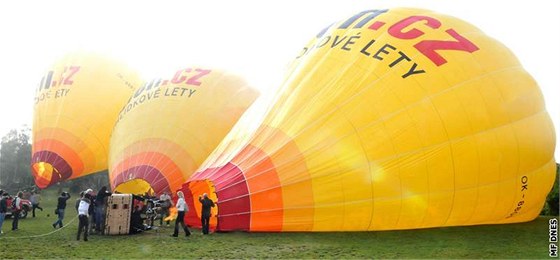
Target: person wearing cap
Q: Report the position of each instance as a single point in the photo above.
(207, 204)
(83, 213)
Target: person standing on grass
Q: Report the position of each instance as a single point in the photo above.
(100, 208)
(60, 207)
(79, 200)
(3, 208)
(92, 195)
(17, 209)
(207, 205)
(35, 200)
(83, 213)
(166, 203)
(182, 208)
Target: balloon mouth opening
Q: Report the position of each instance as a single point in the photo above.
(192, 191)
(136, 187)
(44, 171)
(49, 168)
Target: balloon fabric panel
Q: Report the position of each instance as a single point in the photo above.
(76, 105)
(171, 124)
(389, 119)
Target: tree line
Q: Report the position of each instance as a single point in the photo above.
(15, 159)
(15, 166)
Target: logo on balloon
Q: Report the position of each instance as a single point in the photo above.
(56, 87)
(183, 84)
(387, 53)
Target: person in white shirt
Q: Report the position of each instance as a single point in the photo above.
(182, 208)
(35, 200)
(83, 212)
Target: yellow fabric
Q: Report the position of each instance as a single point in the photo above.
(400, 119)
(171, 124)
(135, 186)
(76, 105)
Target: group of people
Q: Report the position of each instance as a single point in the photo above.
(166, 203)
(91, 211)
(90, 207)
(4, 199)
(96, 207)
(16, 206)
(183, 208)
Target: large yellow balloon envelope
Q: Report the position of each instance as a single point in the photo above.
(76, 105)
(390, 119)
(169, 127)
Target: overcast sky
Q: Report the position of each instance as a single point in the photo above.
(256, 39)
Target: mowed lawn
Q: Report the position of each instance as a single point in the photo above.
(37, 239)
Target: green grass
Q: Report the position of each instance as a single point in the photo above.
(37, 239)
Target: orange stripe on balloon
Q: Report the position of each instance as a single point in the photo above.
(293, 175)
(85, 154)
(161, 162)
(64, 151)
(264, 189)
(173, 151)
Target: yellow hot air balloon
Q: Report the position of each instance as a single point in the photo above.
(76, 105)
(169, 127)
(390, 119)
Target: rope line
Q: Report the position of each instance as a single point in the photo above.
(43, 235)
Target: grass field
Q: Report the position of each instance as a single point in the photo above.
(37, 239)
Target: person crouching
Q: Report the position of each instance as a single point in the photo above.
(83, 213)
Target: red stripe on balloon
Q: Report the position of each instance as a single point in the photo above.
(234, 205)
(153, 176)
(63, 169)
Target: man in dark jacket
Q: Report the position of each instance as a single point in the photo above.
(3, 207)
(99, 211)
(60, 207)
(16, 210)
(207, 204)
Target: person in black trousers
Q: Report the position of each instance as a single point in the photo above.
(207, 204)
(15, 213)
(182, 208)
(83, 213)
(99, 211)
